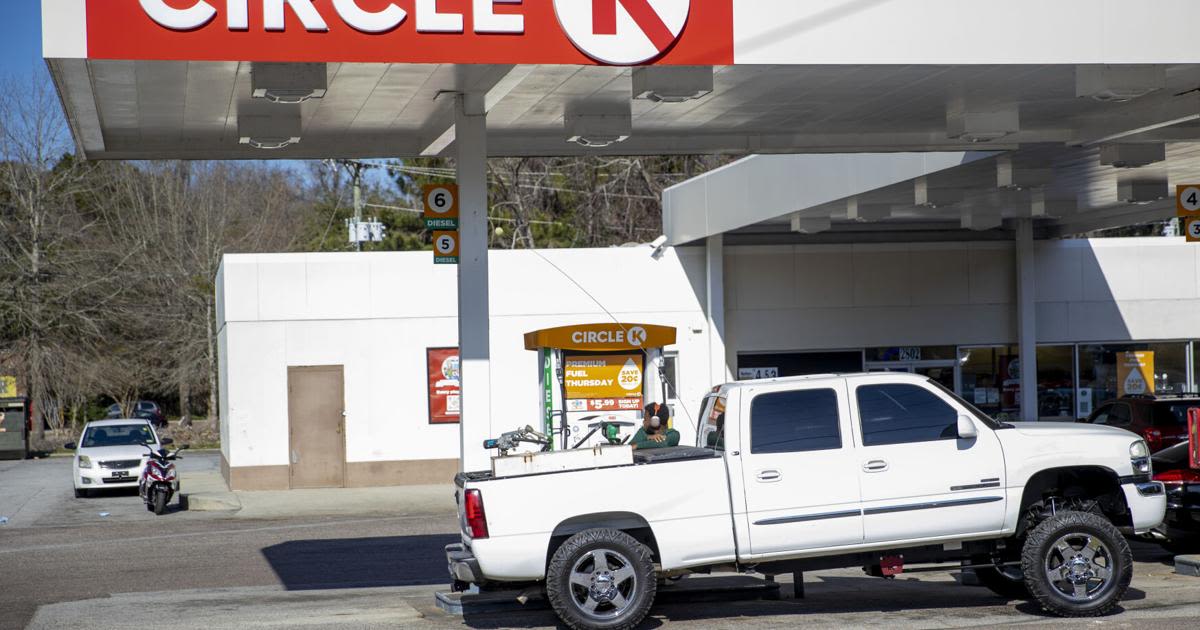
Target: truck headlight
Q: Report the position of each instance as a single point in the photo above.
(85, 461)
(1139, 458)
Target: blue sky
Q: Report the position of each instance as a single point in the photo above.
(21, 38)
(21, 53)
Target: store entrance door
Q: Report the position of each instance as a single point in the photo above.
(940, 371)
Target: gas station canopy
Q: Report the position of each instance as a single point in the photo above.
(145, 79)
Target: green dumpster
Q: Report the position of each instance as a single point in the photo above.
(14, 428)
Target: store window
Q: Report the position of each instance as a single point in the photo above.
(909, 354)
(991, 380)
(670, 374)
(1056, 383)
(1195, 367)
(1105, 372)
(752, 366)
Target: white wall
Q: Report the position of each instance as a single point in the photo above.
(855, 296)
(377, 313)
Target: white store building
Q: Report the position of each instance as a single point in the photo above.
(947, 304)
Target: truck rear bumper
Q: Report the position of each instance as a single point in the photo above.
(462, 564)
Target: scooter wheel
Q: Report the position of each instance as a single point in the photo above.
(160, 503)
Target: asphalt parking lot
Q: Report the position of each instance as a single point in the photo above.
(64, 565)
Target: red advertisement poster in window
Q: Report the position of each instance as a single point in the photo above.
(445, 385)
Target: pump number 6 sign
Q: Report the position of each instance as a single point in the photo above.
(441, 206)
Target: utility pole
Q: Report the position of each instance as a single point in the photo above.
(358, 202)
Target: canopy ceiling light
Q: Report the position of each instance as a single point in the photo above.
(672, 84)
(1143, 189)
(811, 224)
(598, 125)
(1015, 175)
(866, 212)
(270, 131)
(1132, 155)
(926, 195)
(1118, 84)
(289, 83)
(977, 122)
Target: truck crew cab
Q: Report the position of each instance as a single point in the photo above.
(871, 470)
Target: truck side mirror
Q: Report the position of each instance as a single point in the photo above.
(966, 428)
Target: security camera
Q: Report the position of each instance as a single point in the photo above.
(658, 245)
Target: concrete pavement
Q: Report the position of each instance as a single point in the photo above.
(205, 490)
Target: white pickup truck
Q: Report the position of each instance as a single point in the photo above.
(795, 474)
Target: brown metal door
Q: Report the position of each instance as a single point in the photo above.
(316, 427)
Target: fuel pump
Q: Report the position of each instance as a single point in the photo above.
(595, 379)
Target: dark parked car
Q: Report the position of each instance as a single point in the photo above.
(142, 410)
(1160, 420)
(1182, 524)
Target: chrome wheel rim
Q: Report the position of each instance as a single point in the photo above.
(603, 584)
(1079, 567)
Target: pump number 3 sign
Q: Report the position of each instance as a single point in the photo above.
(1191, 227)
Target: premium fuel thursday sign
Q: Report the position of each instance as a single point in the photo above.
(609, 382)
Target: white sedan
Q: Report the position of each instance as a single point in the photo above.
(111, 454)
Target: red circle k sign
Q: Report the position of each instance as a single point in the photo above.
(623, 32)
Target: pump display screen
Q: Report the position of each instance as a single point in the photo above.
(603, 382)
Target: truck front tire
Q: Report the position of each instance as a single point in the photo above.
(601, 579)
(1077, 564)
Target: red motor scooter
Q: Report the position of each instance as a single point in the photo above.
(159, 481)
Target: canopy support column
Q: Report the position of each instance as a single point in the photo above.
(473, 313)
(714, 262)
(1027, 319)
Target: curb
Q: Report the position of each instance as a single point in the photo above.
(214, 502)
(1187, 565)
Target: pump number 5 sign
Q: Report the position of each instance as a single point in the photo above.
(445, 248)
(441, 206)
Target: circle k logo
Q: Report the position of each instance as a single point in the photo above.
(637, 336)
(623, 32)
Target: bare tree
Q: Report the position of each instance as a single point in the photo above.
(50, 301)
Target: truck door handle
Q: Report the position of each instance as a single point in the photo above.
(769, 476)
(875, 465)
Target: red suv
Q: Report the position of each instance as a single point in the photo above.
(1160, 420)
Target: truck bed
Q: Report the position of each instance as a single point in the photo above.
(640, 458)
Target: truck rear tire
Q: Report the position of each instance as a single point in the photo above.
(601, 579)
(1077, 564)
(1008, 582)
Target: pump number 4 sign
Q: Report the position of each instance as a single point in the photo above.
(1187, 204)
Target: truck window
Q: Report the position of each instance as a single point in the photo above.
(791, 422)
(711, 432)
(899, 414)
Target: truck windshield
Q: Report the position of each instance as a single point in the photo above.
(983, 417)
